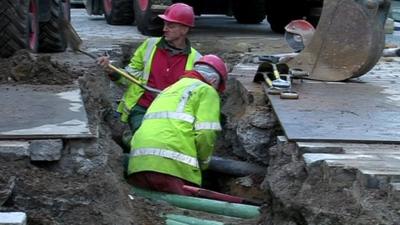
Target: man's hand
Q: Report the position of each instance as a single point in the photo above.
(104, 61)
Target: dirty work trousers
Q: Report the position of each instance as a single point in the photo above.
(135, 118)
(159, 182)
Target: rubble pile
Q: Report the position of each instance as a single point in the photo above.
(29, 68)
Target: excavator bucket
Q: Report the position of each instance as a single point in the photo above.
(348, 41)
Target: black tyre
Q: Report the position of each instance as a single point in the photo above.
(94, 7)
(19, 24)
(278, 22)
(118, 12)
(51, 36)
(67, 9)
(249, 11)
(147, 22)
(280, 13)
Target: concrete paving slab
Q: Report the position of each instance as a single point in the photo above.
(12, 218)
(46, 150)
(371, 165)
(311, 158)
(348, 148)
(42, 112)
(14, 150)
(360, 112)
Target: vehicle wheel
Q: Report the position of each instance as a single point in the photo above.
(147, 22)
(249, 12)
(51, 36)
(278, 22)
(94, 7)
(19, 23)
(67, 9)
(118, 12)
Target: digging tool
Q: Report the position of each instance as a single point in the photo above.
(74, 41)
(270, 73)
(201, 192)
(348, 40)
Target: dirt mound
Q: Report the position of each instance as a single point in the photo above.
(28, 68)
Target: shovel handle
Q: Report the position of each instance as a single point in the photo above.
(133, 79)
(124, 74)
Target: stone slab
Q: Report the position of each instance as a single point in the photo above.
(12, 218)
(14, 150)
(46, 150)
(311, 158)
(361, 112)
(349, 148)
(42, 112)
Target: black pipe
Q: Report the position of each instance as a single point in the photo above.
(234, 167)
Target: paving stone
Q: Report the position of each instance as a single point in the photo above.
(311, 158)
(14, 150)
(12, 218)
(316, 147)
(394, 192)
(46, 150)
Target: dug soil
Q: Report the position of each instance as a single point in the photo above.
(87, 185)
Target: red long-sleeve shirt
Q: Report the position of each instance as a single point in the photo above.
(165, 70)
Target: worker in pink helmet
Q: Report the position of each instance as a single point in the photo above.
(175, 142)
(157, 63)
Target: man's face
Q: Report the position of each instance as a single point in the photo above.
(174, 31)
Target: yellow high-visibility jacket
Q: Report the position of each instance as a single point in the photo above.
(178, 132)
(140, 67)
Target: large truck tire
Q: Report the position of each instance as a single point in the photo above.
(147, 22)
(278, 22)
(19, 23)
(280, 13)
(118, 12)
(94, 7)
(249, 11)
(51, 36)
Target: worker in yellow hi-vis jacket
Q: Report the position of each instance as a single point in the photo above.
(176, 139)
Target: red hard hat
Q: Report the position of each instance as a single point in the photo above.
(218, 64)
(179, 13)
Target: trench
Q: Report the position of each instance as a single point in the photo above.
(86, 184)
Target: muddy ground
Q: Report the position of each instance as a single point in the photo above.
(87, 185)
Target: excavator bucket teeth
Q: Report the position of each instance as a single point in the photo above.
(348, 41)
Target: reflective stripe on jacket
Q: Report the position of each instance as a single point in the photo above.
(178, 132)
(140, 67)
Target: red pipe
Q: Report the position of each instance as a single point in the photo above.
(201, 192)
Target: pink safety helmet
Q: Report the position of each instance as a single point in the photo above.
(219, 65)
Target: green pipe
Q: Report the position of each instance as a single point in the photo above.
(192, 220)
(174, 222)
(201, 204)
